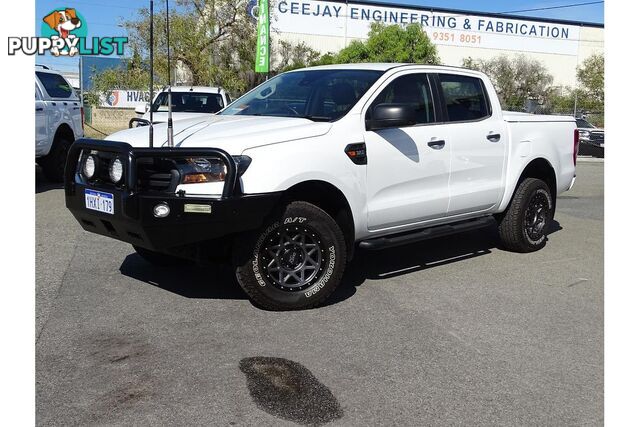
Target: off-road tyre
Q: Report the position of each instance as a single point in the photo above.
(295, 261)
(523, 227)
(53, 163)
(158, 258)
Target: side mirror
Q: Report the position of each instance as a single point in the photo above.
(391, 116)
(141, 109)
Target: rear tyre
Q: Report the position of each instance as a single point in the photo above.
(158, 258)
(295, 261)
(53, 163)
(524, 225)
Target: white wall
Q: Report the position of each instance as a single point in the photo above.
(331, 31)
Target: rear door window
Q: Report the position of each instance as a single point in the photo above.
(464, 97)
(55, 85)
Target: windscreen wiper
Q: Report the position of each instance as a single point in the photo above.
(317, 118)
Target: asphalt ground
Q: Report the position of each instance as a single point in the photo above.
(453, 331)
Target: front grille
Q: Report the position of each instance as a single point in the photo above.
(597, 136)
(157, 174)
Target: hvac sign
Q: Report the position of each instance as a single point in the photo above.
(124, 99)
(353, 20)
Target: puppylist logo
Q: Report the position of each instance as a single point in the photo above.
(63, 32)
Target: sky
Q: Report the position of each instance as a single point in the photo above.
(102, 18)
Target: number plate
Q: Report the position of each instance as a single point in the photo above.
(98, 201)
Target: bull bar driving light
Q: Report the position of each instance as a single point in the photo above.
(89, 166)
(116, 170)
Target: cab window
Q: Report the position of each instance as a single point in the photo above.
(55, 85)
(464, 97)
(410, 89)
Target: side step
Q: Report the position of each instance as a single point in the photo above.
(425, 233)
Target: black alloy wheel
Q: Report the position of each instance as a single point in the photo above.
(292, 257)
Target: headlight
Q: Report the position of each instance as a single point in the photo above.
(89, 166)
(116, 170)
(199, 170)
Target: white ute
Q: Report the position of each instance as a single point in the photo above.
(294, 175)
(188, 102)
(59, 121)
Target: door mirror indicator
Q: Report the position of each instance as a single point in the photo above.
(390, 115)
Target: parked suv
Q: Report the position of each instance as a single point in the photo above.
(291, 177)
(59, 121)
(589, 134)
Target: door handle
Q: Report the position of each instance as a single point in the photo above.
(437, 144)
(39, 109)
(493, 137)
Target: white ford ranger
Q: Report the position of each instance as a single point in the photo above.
(59, 121)
(294, 175)
(187, 102)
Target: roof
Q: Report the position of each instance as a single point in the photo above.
(202, 89)
(470, 12)
(45, 69)
(377, 66)
(383, 66)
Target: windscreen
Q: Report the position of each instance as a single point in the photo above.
(189, 102)
(320, 95)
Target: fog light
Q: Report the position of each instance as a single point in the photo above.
(89, 167)
(161, 210)
(116, 170)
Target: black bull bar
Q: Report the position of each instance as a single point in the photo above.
(129, 154)
(133, 221)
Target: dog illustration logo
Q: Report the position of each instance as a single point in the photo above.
(63, 32)
(63, 22)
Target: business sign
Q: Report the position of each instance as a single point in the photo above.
(124, 99)
(262, 42)
(353, 20)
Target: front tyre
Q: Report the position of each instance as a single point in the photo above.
(53, 163)
(295, 261)
(523, 227)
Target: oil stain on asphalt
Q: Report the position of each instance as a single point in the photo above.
(288, 390)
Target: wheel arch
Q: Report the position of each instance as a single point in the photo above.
(539, 168)
(64, 130)
(329, 198)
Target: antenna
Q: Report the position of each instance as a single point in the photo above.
(151, 73)
(169, 117)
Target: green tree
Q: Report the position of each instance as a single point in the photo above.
(591, 79)
(212, 43)
(134, 75)
(291, 57)
(389, 43)
(516, 79)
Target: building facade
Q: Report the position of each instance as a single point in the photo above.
(329, 25)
